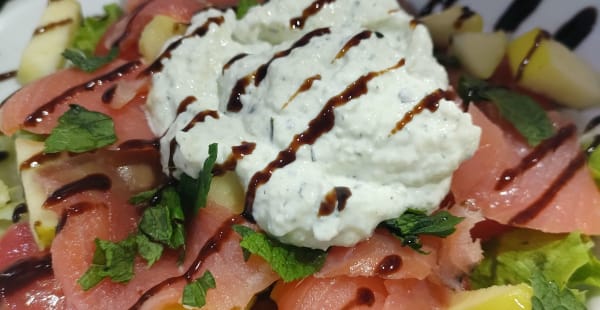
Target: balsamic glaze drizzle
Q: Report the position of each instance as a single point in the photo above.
(312, 9)
(430, 102)
(338, 196)
(8, 75)
(19, 210)
(96, 181)
(354, 41)
(51, 26)
(541, 36)
(210, 247)
(542, 202)
(237, 153)
(23, 272)
(42, 112)
(3, 155)
(318, 126)
(536, 155)
(364, 297)
(306, 85)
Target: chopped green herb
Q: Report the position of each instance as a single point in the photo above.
(80, 130)
(413, 223)
(290, 262)
(150, 251)
(142, 197)
(194, 293)
(163, 222)
(547, 295)
(93, 28)
(194, 192)
(243, 7)
(520, 110)
(112, 260)
(89, 63)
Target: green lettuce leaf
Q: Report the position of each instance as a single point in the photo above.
(562, 260)
(93, 28)
(89, 63)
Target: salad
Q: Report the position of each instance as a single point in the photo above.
(106, 201)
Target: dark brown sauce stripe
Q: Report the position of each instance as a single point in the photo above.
(7, 75)
(542, 202)
(428, 8)
(210, 247)
(185, 103)
(543, 35)
(139, 144)
(364, 297)
(354, 41)
(4, 155)
(592, 123)
(389, 265)
(337, 197)
(234, 104)
(312, 9)
(232, 61)
(430, 102)
(19, 210)
(237, 153)
(306, 85)
(464, 15)
(38, 115)
(37, 160)
(51, 26)
(96, 181)
(171, 162)
(109, 94)
(515, 14)
(24, 272)
(318, 126)
(536, 155)
(134, 14)
(574, 31)
(76, 209)
(261, 72)
(200, 117)
(157, 65)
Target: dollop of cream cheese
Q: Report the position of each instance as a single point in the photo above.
(339, 106)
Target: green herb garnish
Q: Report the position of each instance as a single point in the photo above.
(163, 222)
(547, 295)
(414, 223)
(243, 7)
(89, 63)
(194, 293)
(520, 110)
(194, 192)
(80, 130)
(112, 260)
(290, 262)
(93, 28)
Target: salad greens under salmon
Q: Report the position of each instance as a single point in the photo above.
(89, 219)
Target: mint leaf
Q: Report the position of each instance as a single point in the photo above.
(194, 192)
(143, 197)
(150, 251)
(530, 120)
(93, 28)
(80, 130)
(111, 260)
(413, 223)
(194, 293)
(290, 262)
(163, 222)
(89, 63)
(547, 295)
(243, 7)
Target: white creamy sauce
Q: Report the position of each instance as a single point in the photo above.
(385, 172)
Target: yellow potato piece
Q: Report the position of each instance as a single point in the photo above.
(227, 191)
(479, 53)
(56, 31)
(156, 33)
(444, 24)
(501, 297)
(546, 66)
